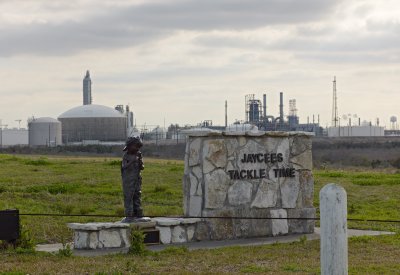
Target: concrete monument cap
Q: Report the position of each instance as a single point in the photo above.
(97, 225)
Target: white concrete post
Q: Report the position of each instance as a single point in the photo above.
(333, 213)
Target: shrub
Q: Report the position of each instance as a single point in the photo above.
(137, 243)
(395, 163)
(65, 251)
(25, 240)
(303, 239)
(376, 163)
(24, 244)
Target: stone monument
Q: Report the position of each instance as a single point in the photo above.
(232, 176)
(235, 185)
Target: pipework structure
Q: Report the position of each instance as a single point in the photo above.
(254, 111)
(293, 119)
(256, 114)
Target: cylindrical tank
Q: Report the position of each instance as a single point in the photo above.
(44, 131)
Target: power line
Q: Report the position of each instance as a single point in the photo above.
(183, 217)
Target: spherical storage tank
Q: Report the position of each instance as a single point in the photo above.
(44, 131)
(93, 122)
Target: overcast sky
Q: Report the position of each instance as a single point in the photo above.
(180, 60)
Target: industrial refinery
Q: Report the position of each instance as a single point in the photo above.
(98, 124)
(256, 114)
(85, 124)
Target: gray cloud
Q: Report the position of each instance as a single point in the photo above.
(351, 58)
(123, 26)
(225, 14)
(377, 42)
(70, 38)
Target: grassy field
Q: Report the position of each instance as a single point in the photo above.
(367, 255)
(78, 185)
(81, 186)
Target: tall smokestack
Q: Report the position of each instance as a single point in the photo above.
(281, 107)
(226, 113)
(265, 105)
(87, 89)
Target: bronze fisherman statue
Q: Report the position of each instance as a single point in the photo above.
(131, 167)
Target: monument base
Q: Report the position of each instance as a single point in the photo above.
(100, 236)
(215, 226)
(278, 222)
(264, 223)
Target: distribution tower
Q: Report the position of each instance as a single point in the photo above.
(335, 118)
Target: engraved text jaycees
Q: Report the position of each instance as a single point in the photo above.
(261, 173)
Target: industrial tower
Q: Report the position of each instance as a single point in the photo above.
(226, 113)
(87, 89)
(253, 109)
(335, 118)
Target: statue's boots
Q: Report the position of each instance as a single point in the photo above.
(138, 213)
(129, 218)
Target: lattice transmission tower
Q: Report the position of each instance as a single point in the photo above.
(335, 118)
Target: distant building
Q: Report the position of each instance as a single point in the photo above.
(93, 122)
(356, 131)
(392, 132)
(131, 131)
(87, 89)
(12, 137)
(158, 133)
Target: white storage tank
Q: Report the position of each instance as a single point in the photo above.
(44, 131)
